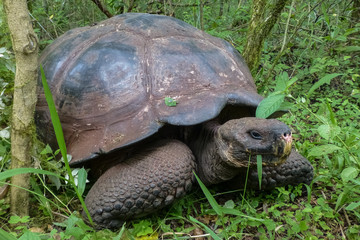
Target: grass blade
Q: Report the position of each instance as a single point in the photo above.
(207, 229)
(12, 172)
(217, 208)
(60, 138)
(259, 168)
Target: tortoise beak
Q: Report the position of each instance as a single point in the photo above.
(283, 148)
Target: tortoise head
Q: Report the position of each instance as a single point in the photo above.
(240, 140)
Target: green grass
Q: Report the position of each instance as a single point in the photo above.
(316, 77)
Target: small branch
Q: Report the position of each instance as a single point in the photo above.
(4, 190)
(102, 8)
(181, 5)
(287, 26)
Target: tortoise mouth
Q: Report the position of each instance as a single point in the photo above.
(273, 155)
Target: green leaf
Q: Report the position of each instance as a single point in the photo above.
(259, 168)
(82, 176)
(13, 172)
(207, 229)
(349, 49)
(269, 105)
(326, 79)
(331, 113)
(28, 235)
(323, 150)
(270, 224)
(349, 173)
(56, 181)
(324, 131)
(236, 212)
(229, 204)
(142, 228)
(17, 219)
(303, 225)
(46, 150)
(170, 102)
(122, 230)
(352, 206)
(281, 81)
(340, 200)
(327, 131)
(217, 208)
(6, 236)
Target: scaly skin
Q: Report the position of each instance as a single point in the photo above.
(143, 184)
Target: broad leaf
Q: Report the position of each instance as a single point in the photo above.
(30, 236)
(281, 81)
(323, 150)
(327, 131)
(82, 176)
(326, 79)
(269, 105)
(6, 236)
(352, 206)
(349, 173)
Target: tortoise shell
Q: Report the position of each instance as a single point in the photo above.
(109, 81)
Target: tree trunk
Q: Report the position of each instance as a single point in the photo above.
(201, 10)
(355, 14)
(25, 46)
(259, 28)
(221, 10)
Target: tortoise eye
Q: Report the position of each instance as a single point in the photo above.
(255, 135)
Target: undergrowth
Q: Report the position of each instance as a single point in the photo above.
(313, 71)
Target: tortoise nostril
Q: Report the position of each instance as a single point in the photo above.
(287, 134)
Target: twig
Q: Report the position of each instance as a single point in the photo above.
(41, 26)
(287, 26)
(346, 217)
(301, 20)
(342, 232)
(60, 215)
(102, 8)
(324, 196)
(188, 235)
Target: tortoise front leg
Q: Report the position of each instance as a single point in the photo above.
(295, 170)
(142, 184)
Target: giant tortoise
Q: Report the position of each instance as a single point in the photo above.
(147, 100)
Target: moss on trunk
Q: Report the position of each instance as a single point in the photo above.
(25, 46)
(259, 28)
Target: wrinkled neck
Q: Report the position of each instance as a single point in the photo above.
(212, 168)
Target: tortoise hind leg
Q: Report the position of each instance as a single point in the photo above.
(142, 184)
